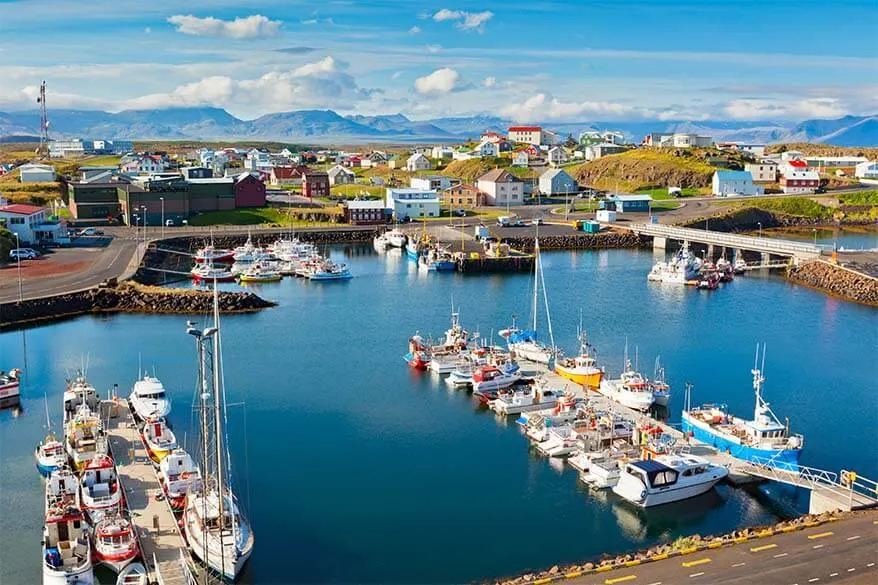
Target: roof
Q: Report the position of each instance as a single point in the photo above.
(499, 176)
(416, 155)
(214, 180)
(797, 163)
(241, 176)
(649, 465)
(525, 128)
(552, 173)
(289, 172)
(734, 175)
(36, 167)
(466, 186)
(314, 174)
(365, 204)
(21, 209)
(624, 198)
(98, 168)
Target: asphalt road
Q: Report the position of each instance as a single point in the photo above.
(837, 552)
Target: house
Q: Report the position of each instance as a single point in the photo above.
(97, 174)
(526, 134)
(791, 166)
(487, 148)
(463, 153)
(5, 168)
(377, 158)
(727, 183)
(557, 182)
(441, 152)
(460, 196)
(369, 212)
(677, 140)
(835, 161)
(32, 223)
(550, 138)
(36, 173)
(146, 164)
(603, 149)
(315, 184)
(338, 175)
(557, 155)
(629, 203)
(521, 159)
(93, 199)
(592, 137)
(762, 172)
(431, 182)
(249, 190)
(501, 188)
(799, 181)
(491, 136)
(353, 161)
(257, 159)
(66, 148)
(418, 162)
(408, 203)
(287, 175)
(196, 173)
(866, 170)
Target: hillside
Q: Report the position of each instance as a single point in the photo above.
(468, 170)
(807, 148)
(645, 168)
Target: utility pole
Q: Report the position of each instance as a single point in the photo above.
(162, 199)
(18, 256)
(43, 152)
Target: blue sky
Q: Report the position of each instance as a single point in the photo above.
(540, 60)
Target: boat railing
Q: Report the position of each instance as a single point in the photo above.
(859, 484)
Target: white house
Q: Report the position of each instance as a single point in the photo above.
(488, 148)
(441, 152)
(529, 134)
(557, 155)
(418, 162)
(596, 151)
(31, 223)
(430, 182)
(678, 140)
(339, 175)
(734, 183)
(762, 172)
(501, 188)
(64, 148)
(556, 182)
(257, 160)
(407, 203)
(866, 170)
(834, 161)
(551, 138)
(36, 173)
(521, 159)
(145, 164)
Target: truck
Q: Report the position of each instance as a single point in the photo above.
(504, 221)
(481, 232)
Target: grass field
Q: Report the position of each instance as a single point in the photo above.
(662, 192)
(101, 161)
(351, 191)
(267, 215)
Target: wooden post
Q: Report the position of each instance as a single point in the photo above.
(155, 522)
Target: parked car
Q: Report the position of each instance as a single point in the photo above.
(91, 232)
(23, 254)
(537, 221)
(169, 222)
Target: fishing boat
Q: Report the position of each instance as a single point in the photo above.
(760, 439)
(77, 392)
(381, 242)
(418, 356)
(211, 255)
(581, 369)
(179, 475)
(661, 390)
(133, 574)
(725, 270)
(209, 272)
(740, 265)
(217, 532)
(10, 383)
(259, 273)
(603, 473)
(84, 437)
(329, 270)
(158, 438)
(491, 378)
(99, 487)
(667, 478)
(681, 269)
(66, 549)
(396, 238)
(50, 453)
(148, 398)
(561, 441)
(437, 261)
(537, 396)
(631, 389)
(115, 541)
(709, 281)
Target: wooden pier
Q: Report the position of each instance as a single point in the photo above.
(161, 543)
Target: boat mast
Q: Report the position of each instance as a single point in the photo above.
(546, 301)
(218, 443)
(536, 276)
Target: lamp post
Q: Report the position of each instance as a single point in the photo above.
(815, 235)
(759, 223)
(143, 215)
(18, 257)
(162, 199)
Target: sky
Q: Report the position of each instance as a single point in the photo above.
(577, 60)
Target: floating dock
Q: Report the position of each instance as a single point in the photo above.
(164, 551)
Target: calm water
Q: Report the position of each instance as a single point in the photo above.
(361, 471)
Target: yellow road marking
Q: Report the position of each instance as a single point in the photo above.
(821, 535)
(765, 533)
(542, 581)
(604, 568)
(764, 547)
(633, 563)
(714, 545)
(698, 562)
(574, 575)
(660, 557)
(689, 551)
(620, 579)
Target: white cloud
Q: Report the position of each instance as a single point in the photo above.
(441, 81)
(464, 20)
(764, 109)
(147, 30)
(310, 21)
(433, 49)
(255, 26)
(414, 30)
(541, 107)
(396, 75)
(489, 81)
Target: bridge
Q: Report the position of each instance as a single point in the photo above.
(662, 233)
(829, 491)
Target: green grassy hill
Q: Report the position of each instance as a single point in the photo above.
(647, 168)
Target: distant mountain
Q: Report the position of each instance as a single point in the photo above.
(326, 126)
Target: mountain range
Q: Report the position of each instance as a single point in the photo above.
(325, 126)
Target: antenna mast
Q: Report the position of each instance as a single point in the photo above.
(43, 152)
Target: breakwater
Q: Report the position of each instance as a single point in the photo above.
(264, 238)
(836, 280)
(126, 298)
(749, 219)
(582, 241)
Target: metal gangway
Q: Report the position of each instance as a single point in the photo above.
(846, 490)
(777, 246)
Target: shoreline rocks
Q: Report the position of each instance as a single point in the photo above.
(127, 298)
(582, 241)
(836, 280)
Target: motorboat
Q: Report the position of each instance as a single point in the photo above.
(158, 438)
(667, 478)
(661, 390)
(50, 455)
(444, 366)
(78, 391)
(148, 398)
(581, 369)
(99, 487)
(681, 269)
(212, 255)
(603, 473)
(329, 270)
(396, 238)
(259, 273)
(536, 397)
(133, 574)
(740, 265)
(631, 389)
(380, 242)
(115, 541)
(209, 272)
(491, 378)
(66, 548)
(10, 383)
(561, 441)
(725, 270)
(759, 439)
(418, 356)
(84, 437)
(437, 261)
(179, 475)
(709, 281)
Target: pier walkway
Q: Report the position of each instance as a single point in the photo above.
(161, 543)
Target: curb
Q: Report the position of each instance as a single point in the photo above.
(671, 554)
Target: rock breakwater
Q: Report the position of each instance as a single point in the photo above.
(582, 241)
(836, 280)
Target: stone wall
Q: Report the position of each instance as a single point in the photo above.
(582, 241)
(127, 298)
(836, 280)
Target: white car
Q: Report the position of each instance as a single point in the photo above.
(91, 232)
(23, 254)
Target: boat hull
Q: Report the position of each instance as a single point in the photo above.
(590, 379)
(704, 433)
(665, 497)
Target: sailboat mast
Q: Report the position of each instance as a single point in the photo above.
(536, 277)
(220, 476)
(546, 301)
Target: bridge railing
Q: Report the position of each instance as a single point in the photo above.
(726, 239)
(844, 485)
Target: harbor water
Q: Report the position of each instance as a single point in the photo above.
(355, 469)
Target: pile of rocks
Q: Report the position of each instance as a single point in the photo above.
(836, 280)
(582, 241)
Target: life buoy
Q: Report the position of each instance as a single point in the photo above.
(185, 475)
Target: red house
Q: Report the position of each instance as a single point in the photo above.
(315, 184)
(249, 191)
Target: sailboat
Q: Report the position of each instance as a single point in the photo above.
(661, 390)
(524, 344)
(50, 453)
(217, 531)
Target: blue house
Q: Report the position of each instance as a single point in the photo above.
(627, 203)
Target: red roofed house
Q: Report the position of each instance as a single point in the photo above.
(528, 134)
(491, 137)
(32, 223)
(249, 191)
(287, 175)
(315, 184)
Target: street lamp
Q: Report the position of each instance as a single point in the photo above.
(18, 257)
(162, 199)
(143, 216)
(759, 223)
(815, 235)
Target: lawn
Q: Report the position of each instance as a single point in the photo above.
(662, 192)
(239, 217)
(351, 191)
(797, 206)
(101, 161)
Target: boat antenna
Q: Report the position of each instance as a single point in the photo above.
(689, 387)
(139, 366)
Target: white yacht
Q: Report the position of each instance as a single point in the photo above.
(603, 473)
(667, 478)
(396, 238)
(536, 397)
(491, 378)
(78, 392)
(631, 389)
(148, 398)
(66, 547)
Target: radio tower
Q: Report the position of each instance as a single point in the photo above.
(43, 151)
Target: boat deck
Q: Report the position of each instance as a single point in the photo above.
(737, 468)
(164, 550)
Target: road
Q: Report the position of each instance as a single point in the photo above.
(837, 552)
